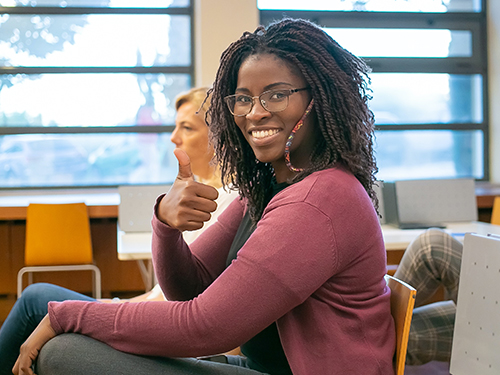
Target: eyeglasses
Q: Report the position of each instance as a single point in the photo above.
(272, 101)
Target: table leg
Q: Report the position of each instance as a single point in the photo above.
(147, 273)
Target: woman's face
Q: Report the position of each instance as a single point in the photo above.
(268, 132)
(191, 136)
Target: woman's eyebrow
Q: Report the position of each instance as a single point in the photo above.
(273, 85)
(266, 88)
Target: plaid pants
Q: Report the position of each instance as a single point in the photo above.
(431, 260)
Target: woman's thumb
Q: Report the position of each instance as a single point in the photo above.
(184, 164)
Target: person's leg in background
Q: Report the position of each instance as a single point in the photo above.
(432, 260)
(24, 317)
(81, 355)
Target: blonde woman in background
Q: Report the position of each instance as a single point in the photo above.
(191, 136)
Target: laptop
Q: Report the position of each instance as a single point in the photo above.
(420, 204)
(135, 210)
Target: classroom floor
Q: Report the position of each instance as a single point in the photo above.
(431, 368)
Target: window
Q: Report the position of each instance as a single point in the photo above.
(429, 78)
(87, 90)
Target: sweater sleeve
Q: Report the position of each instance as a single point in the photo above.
(184, 271)
(278, 268)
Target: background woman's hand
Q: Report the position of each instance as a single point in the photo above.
(188, 204)
(31, 348)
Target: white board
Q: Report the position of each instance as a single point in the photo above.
(476, 340)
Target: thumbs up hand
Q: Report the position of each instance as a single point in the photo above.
(188, 203)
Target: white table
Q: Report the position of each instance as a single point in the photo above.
(137, 246)
(399, 239)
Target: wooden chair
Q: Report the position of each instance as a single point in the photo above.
(495, 212)
(402, 302)
(58, 239)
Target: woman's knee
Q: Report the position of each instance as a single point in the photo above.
(60, 355)
(428, 242)
(35, 291)
(36, 295)
(52, 353)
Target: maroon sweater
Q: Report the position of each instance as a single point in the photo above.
(315, 265)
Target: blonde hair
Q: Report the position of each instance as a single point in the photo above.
(195, 96)
(200, 99)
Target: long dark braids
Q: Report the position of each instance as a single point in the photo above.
(338, 84)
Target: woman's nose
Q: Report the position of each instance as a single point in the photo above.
(258, 111)
(175, 139)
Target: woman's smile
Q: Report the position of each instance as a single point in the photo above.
(261, 134)
(265, 137)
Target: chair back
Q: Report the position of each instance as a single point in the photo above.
(495, 213)
(57, 234)
(402, 302)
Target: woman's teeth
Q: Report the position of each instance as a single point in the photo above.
(264, 133)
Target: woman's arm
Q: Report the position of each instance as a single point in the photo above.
(277, 269)
(32, 346)
(183, 271)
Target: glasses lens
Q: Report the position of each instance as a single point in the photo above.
(239, 105)
(275, 101)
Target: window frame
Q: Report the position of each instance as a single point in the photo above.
(475, 22)
(44, 10)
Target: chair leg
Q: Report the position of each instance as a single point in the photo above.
(19, 283)
(94, 286)
(96, 283)
(96, 279)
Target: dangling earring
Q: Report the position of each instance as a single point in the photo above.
(290, 139)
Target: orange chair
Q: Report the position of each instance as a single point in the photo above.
(402, 303)
(58, 239)
(495, 213)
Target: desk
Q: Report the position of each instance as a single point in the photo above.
(102, 203)
(398, 239)
(137, 246)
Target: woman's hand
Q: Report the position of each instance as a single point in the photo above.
(32, 346)
(188, 203)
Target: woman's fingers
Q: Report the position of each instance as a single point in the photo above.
(32, 346)
(188, 203)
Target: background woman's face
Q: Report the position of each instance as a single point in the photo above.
(268, 132)
(191, 136)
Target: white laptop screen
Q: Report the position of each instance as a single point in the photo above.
(136, 206)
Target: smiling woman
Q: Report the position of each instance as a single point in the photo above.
(293, 271)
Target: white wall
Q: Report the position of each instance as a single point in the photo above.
(217, 23)
(494, 87)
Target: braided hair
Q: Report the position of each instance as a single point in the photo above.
(338, 84)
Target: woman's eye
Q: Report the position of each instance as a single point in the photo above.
(243, 99)
(277, 95)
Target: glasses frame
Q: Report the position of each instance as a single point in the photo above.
(228, 98)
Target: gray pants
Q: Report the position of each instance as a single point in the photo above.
(432, 260)
(76, 354)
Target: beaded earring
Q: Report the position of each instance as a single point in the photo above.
(290, 139)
